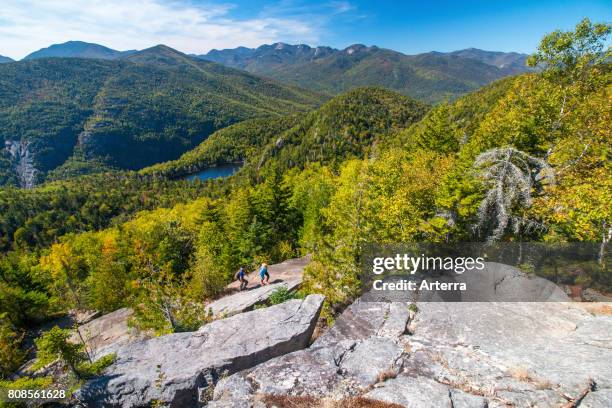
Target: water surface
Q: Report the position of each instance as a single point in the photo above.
(221, 171)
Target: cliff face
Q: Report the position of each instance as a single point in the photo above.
(21, 154)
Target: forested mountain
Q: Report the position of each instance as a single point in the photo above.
(77, 49)
(510, 62)
(429, 77)
(79, 115)
(268, 57)
(348, 125)
(4, 59)
(233, 144)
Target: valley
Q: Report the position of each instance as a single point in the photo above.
(86, 115)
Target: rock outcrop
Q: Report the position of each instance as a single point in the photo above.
(24, 164)
(444, 355)
(291, 269)
(108, 333)
(177, 369)
(522, 354)
(361, 347)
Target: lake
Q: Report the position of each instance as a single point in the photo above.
(224, 170)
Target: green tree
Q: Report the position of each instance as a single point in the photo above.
(311, 189)
(11, 355)
(334, 269)
(162, 305)
(23, 292)
(55, 345)
(66, 269)
(569, 56)
(108, 281)
(438, 131)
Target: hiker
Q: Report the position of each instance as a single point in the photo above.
(264, 275)
(240, 275)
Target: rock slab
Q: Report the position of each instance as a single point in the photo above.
(246, 300)
(503, 354)
(171, 369)
(462, 355)
(108, 333)
(355, 353)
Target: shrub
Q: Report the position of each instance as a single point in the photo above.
(88, 370)
(282, 295)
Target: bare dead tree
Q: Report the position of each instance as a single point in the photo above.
(511, 177)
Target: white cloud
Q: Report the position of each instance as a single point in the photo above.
(28, 25)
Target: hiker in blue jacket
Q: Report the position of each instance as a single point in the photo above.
(264, 275)
(240, 275)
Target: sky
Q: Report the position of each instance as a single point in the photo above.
(197, 26)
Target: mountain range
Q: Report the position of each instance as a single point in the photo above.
(78, 107)
(4, 59)
(76, 115)
(430, 77)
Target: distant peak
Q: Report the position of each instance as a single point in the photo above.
(355, 47)
(161, 54)
(74, 42)
(75, 48)
(160, 47)
(351, 49)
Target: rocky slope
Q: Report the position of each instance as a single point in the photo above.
(395, 353)
(21, 154)
(178, 369)
(444, 355)
(108, 333)
(286, 274)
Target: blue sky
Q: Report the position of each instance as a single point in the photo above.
(196, 26)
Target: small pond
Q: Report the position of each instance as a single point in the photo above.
(221, 171)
